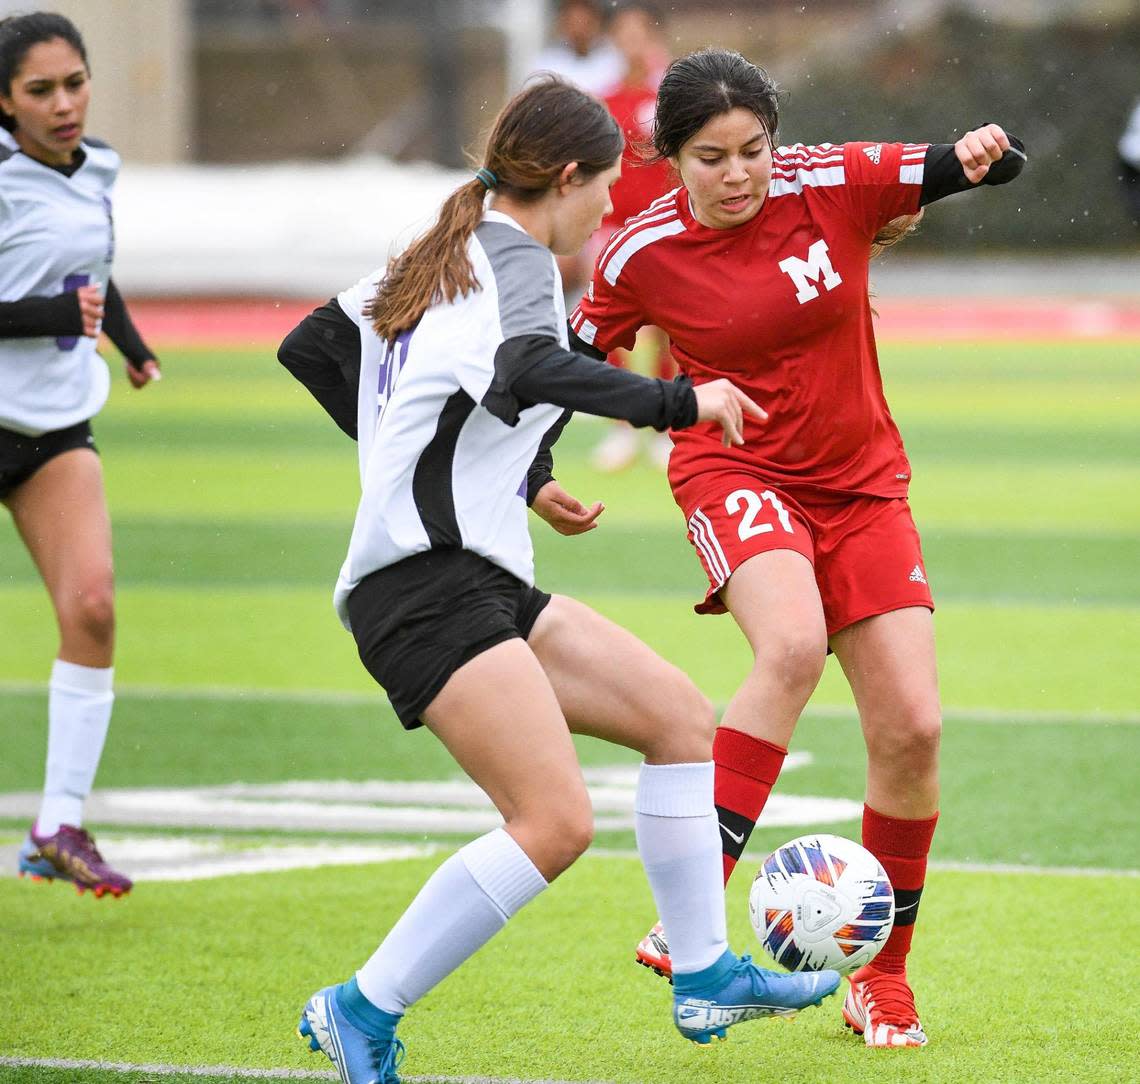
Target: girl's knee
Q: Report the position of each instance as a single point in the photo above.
(910, 738)
(796, 661)
(687, 724)
(90, 613)
(556, 838)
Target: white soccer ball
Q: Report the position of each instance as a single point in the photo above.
(820, 902)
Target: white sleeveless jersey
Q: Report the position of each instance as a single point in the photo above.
(438, 469)
(56, 234)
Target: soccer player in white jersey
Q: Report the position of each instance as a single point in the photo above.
(452, 371)
(757, 269)
(56, 293)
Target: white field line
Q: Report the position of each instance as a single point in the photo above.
(177, 858)
(406, 807)
(368, 699)
(229, 1072)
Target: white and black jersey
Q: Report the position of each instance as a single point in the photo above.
(56, 234)
(437, 469)
(452, 415)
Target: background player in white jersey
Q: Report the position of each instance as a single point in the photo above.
(459, 354)
(56, 245)
(584, 54)
(757, 268)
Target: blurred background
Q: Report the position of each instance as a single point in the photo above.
(280, 146)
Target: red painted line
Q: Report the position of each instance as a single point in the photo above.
(1010, 318)
(230, 322)
(220, 322)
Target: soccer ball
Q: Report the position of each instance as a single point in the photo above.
(820, 902)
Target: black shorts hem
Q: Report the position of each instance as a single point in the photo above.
(22, 455)
(418, 621)
(410, 716)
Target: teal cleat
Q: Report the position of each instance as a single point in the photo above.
(34, 865)
(707, 1004)
(359, 1056)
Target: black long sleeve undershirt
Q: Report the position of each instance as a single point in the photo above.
(541, 470)
(943, 175)
(34, 317)
(323, 353)
(533, 369)
(120, 328)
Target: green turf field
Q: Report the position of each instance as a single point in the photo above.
(232, 498)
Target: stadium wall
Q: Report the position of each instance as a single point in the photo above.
(307, 229)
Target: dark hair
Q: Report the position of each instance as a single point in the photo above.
(704, 85)
(542, 128)
(18, 33)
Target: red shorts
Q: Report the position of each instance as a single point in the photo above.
(865, 550)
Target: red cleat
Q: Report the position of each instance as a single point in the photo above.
(653, 952)
(880, 1007)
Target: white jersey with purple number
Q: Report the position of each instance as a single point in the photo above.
(443, 457)
(56, 234)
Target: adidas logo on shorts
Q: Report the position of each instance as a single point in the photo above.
(916, 575)
(874, 153)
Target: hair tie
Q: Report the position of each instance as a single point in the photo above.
(487, 177)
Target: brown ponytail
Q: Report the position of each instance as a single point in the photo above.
(434, 266)
(894, 231)
(540, 130)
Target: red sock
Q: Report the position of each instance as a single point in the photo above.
(902, 847)
(746, 770)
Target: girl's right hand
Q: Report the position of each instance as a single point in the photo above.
(723, 402)
(90, 309)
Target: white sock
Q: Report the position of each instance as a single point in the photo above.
(79, 712)
(460, 908)
(679, 842)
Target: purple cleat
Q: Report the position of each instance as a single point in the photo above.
(71, 855)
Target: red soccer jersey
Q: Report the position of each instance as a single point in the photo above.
(641, 182)
(779, 305)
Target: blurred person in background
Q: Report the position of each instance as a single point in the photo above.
(1128, 151)
(638, 31)
(583, 54)
(757, 269)
(465, 336)
(56, 293)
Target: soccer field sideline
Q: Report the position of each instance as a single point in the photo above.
(229, 1072)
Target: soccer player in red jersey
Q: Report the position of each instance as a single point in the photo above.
(757, 268)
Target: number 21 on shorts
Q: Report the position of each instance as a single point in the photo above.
(752, 506)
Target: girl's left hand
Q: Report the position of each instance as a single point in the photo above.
(566, 514)
(979, 149)
(148, 373)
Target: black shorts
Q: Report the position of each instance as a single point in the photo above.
(418, 621)
(21, 456)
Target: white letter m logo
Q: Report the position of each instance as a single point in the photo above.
(805, 272)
